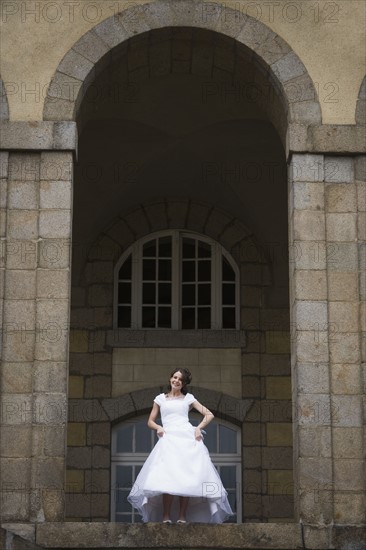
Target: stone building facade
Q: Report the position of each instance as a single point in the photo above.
(240, 125)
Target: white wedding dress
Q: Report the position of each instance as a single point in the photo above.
(179, 465)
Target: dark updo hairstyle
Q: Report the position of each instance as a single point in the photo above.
(186, 379)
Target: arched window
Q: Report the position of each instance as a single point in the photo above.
(176, 280)
(132, 442)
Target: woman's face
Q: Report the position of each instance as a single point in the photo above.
(176, 381)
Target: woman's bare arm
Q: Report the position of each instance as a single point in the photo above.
(207, 417)
(153, 416)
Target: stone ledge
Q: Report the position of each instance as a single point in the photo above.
(326, 138)
(62, 136)
(259, 536)
(127, 338)
(39, 136)
(336, 138)
(153, 535)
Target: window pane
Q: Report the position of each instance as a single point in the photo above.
(149, 249)
(137, 471)
(204, 270)
(164, 317)
(148, 293)
(125, 518)
(204, 250)
(124, 293)
(143, 438)
(124, 476)
(165, 293)
(124, 439)
(148, 317)
(124, 316)
(204, 294)
(204, 317)
(189, 247)
(188, 318)
(210, 439)
(188, 271)
(228, 274)
(148, 273)
(188, 295)
(228, 476)
(125, 272)
(227, 440)
(232, 500)
(228, 317)
(228, 294)
(165, 270)
(122, 504)
(165, 246)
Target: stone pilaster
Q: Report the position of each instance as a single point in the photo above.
(326, 224)
(345, 215)
(310, 350)
(36, 249)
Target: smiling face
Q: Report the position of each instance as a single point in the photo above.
(176, 381)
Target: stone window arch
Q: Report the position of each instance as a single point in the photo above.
(132, 441)
(176, 280)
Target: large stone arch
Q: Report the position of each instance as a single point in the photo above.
(295, 94)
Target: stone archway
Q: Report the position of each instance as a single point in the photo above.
(294, 108)
(294, 91)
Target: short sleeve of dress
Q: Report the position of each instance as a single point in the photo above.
(158, 399)
(190, 398)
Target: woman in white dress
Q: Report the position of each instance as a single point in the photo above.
(179, 464)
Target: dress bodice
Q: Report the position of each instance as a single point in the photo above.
(174, 411)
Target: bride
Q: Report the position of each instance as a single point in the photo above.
(179, 464)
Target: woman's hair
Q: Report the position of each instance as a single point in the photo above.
(186, 379)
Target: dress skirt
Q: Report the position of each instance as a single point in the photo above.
(180, 465)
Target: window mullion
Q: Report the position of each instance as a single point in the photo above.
(237, 298)
(196, 283)
(115, 297)
(157, 282)
(217, 291)
(136, 285)
(176, 280)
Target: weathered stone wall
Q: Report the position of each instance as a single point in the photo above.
(327, 285)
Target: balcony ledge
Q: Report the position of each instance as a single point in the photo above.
(259, 536)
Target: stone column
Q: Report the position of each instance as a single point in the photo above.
(345, 222)
(309, 340)
(326, 339)
(36, 235)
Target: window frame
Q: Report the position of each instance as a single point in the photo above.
(136, 252)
